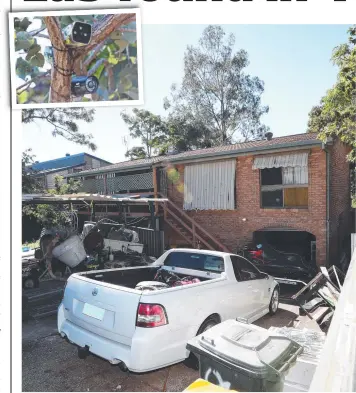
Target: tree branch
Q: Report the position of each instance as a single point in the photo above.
(93, 55)
(37, 32)
(103, 29)
(32, 80)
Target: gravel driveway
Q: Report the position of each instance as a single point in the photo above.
(50, 364)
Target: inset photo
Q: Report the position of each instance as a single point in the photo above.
(76, 58)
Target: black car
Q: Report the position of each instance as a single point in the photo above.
(279, 264)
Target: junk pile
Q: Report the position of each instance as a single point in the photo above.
(112, 245)
(63, 251)
(237, 356)
(165, 279)
(318, 298)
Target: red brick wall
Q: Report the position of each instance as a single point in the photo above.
(229, 227)
(340, 200)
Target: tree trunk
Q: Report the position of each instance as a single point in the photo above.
(61, 78)
(69, 60)
(62, 69)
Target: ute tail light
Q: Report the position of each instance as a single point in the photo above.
(151, 315)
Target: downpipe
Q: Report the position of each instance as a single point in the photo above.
(327, 153)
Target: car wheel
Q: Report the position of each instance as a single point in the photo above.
(209, 323)
(273, 305)
(192, 361)
(29, 283)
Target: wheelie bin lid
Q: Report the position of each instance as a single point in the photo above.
(200, 385)
(247, 348)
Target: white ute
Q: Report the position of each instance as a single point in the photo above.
(102, 312)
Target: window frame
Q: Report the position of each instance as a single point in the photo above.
(260, 275)
(199, 254)
(282, 187)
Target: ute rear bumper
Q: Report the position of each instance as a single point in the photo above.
(150, 349)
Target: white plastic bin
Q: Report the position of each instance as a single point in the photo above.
(71, 251)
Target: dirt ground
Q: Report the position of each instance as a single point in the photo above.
(50, 364)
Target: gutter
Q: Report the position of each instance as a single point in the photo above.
(222, 154)
(238, 152)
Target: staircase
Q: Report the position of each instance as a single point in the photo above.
(189, 229)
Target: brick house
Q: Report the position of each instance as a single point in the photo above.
(292, 190)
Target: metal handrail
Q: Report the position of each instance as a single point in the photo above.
(336, 371)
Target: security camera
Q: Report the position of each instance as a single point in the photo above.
(82, 85)
(78, 33)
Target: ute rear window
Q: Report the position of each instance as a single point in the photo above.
(190, 260)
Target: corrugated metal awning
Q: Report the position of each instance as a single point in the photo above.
(285, 160)
(73, 198)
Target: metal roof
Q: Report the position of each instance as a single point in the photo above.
(83, 197)
(284, 142)
(63, 162)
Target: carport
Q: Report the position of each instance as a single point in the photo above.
(288, 240)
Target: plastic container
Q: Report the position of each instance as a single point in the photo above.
(204, 386)
(243, 357)
(71, 251)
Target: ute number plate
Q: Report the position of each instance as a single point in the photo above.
(93, 311)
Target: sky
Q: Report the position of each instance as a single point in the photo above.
(292, 60)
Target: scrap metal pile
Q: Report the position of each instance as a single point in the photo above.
(318, 299)
(63, 250)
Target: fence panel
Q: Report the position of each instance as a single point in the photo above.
(153, 240)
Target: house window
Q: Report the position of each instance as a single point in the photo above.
(284, 187)
(210, 186)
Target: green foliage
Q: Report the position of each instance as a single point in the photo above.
(30, 183)
(47, 215)
(216, 91)
(32, 245)
(113, 62)
(61, 188)
(336, 113)
(64, 122)
(147, 127)
(158, 134)
(136, 153)
(185, 133)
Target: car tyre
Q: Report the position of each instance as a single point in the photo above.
(192, 361)
(30, 282)
(209, 323)
(274, 303)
